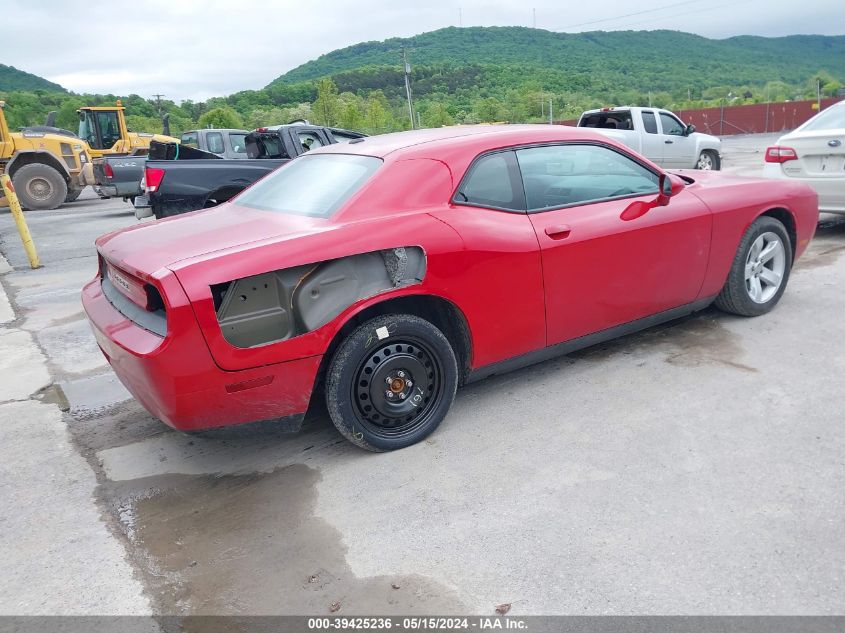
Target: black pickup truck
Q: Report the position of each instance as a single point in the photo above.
(187, 184)
(120, 176)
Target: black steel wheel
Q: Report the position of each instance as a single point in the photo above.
(391, 382)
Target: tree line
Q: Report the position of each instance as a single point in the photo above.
(372, 100)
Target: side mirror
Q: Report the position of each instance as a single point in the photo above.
(689, 129)
(670, 185)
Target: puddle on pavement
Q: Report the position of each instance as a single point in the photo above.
(251, 544)
(827, 246)
(690, 342)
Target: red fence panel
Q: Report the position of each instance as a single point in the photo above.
(756, 118)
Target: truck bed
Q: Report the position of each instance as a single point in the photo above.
(188, 185)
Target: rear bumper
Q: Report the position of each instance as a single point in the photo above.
(177, 381)
(831, 190)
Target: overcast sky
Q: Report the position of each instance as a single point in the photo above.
(194, 49)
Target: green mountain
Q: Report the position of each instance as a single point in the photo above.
(593, 62)
(13, 79)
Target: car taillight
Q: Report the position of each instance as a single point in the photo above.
(153, 177)
(108, 171)
(777, 154)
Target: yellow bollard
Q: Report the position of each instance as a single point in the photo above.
(17, 212)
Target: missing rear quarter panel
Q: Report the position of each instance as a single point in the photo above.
(281, 304)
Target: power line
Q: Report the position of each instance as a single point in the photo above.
(628, 15)
(686, 13)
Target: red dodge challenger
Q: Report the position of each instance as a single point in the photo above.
(386, 271)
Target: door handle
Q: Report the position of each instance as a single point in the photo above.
(558, 231)
(668, 142)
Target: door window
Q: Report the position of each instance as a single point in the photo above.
(649, 122)
(190, 139)
(238, 141)
(309, 140)
(344, 137)
(562, 175)
(215, 142)
(109, 128)
(492, 182)
(671, 125)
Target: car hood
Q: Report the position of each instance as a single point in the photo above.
(148, 247)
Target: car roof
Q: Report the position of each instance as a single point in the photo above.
(430, 142)
(217, 129)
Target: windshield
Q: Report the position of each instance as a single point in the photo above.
(831, 119)
(314, 185)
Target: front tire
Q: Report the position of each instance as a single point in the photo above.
(760, 269)
(39, 187)
(708, 160)
(391, 382)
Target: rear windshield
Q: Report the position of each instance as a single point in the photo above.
(831, 119)
(614, 120)
(314, 185)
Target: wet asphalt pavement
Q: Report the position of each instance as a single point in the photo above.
(694, 468)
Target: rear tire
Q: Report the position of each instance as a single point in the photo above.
(391, 382)
(760, 269)
(39, 187)
(708, 160)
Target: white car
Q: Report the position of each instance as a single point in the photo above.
(815, 154)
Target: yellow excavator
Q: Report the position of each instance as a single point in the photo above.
(104, 129)
(47, 167)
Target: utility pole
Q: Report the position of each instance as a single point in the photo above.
(534, 17)
(158, 102)
(551, 121)
(819, 93)
(460, 17)
(408, 88)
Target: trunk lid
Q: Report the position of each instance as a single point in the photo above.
(821, 153)
(148, 247)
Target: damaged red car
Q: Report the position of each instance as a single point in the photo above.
(383, 273)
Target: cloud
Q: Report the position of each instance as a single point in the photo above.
(194, 49)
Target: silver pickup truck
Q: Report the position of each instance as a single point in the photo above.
(657, 134)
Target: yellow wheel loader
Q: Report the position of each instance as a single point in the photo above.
(104, 129)
(46, 168)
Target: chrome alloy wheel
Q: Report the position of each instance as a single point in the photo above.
(764, 267)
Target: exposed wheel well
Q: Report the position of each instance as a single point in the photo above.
(45, 158)
(785, 218)
(442, 313)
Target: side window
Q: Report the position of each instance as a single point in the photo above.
(190, 139)
(309, 140)
(109, 129)
(238, 141)
(671, 125)
(340, 137)
(649, 122)
(215, 142)
(561, 175)
(492, 182)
